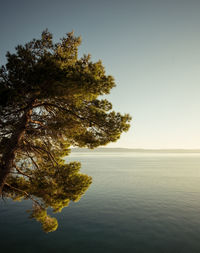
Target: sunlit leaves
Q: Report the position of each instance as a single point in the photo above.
(49, 224)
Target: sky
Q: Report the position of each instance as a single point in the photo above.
(151, 47)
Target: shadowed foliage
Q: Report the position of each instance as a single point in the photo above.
(49, 101)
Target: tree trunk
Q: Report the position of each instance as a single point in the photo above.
(12, 146)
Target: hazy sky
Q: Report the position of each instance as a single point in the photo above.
(152, 48)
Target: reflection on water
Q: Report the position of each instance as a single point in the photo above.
(137, 203)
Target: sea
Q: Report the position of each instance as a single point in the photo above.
(139, 202)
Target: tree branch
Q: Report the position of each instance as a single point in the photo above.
(21, 172)
(36, 122)
(46, 151)
(24, 192)
(33, 161)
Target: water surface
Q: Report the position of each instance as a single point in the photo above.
(138, 202)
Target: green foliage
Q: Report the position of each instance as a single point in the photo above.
(49, 224)
(49, 102)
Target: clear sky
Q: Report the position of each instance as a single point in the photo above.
(151, 47)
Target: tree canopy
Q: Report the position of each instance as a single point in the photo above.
(49, 101)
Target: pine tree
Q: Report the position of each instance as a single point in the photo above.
(49, 101)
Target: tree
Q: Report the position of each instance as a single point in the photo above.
(48, 103)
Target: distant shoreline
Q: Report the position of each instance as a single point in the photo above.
(106, 150)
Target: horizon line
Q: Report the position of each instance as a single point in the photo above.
(141, 149)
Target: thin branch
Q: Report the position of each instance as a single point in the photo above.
(33, 161)
(24, 192)
(21, 172)
(59, 107)
(37, 122)
(42, 149)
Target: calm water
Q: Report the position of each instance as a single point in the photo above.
(137, 203)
